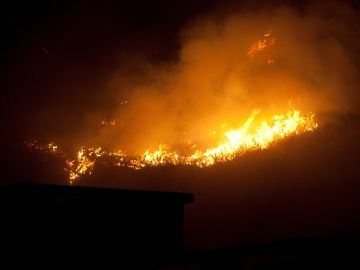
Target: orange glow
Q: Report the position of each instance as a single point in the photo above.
(258, 131)
(249, 136)
(266, 42)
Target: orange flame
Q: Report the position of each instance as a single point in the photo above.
(250, 136)
(261, 45)
(253, 134)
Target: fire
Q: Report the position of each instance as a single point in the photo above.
(35, 146)
(251, 135)
(255, 133)
(266, 42)
(84, 164)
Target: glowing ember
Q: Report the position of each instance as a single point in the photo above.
(35, 146)
(106, 123)
(251, 135)
(261, 45)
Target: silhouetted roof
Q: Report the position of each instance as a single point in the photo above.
(128, 194)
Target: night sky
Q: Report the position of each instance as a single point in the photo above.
(58, 64)
(57, 55)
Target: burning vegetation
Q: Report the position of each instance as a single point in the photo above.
(251, 135)
(232, 138)
(262, 44)
(255, 110)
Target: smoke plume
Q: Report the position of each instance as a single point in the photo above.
(312, 66)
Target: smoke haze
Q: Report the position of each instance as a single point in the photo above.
(313, 68)
(126, 78)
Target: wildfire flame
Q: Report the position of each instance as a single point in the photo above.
(250, 136)
(266, 42)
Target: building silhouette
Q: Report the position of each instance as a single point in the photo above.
(145, 225)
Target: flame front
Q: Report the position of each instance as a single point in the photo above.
(251, 135)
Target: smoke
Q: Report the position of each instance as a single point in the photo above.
(307, 184)
(312, 66)
(304, 187)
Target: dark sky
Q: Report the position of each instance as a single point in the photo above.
(56, 58)
(56, 55)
